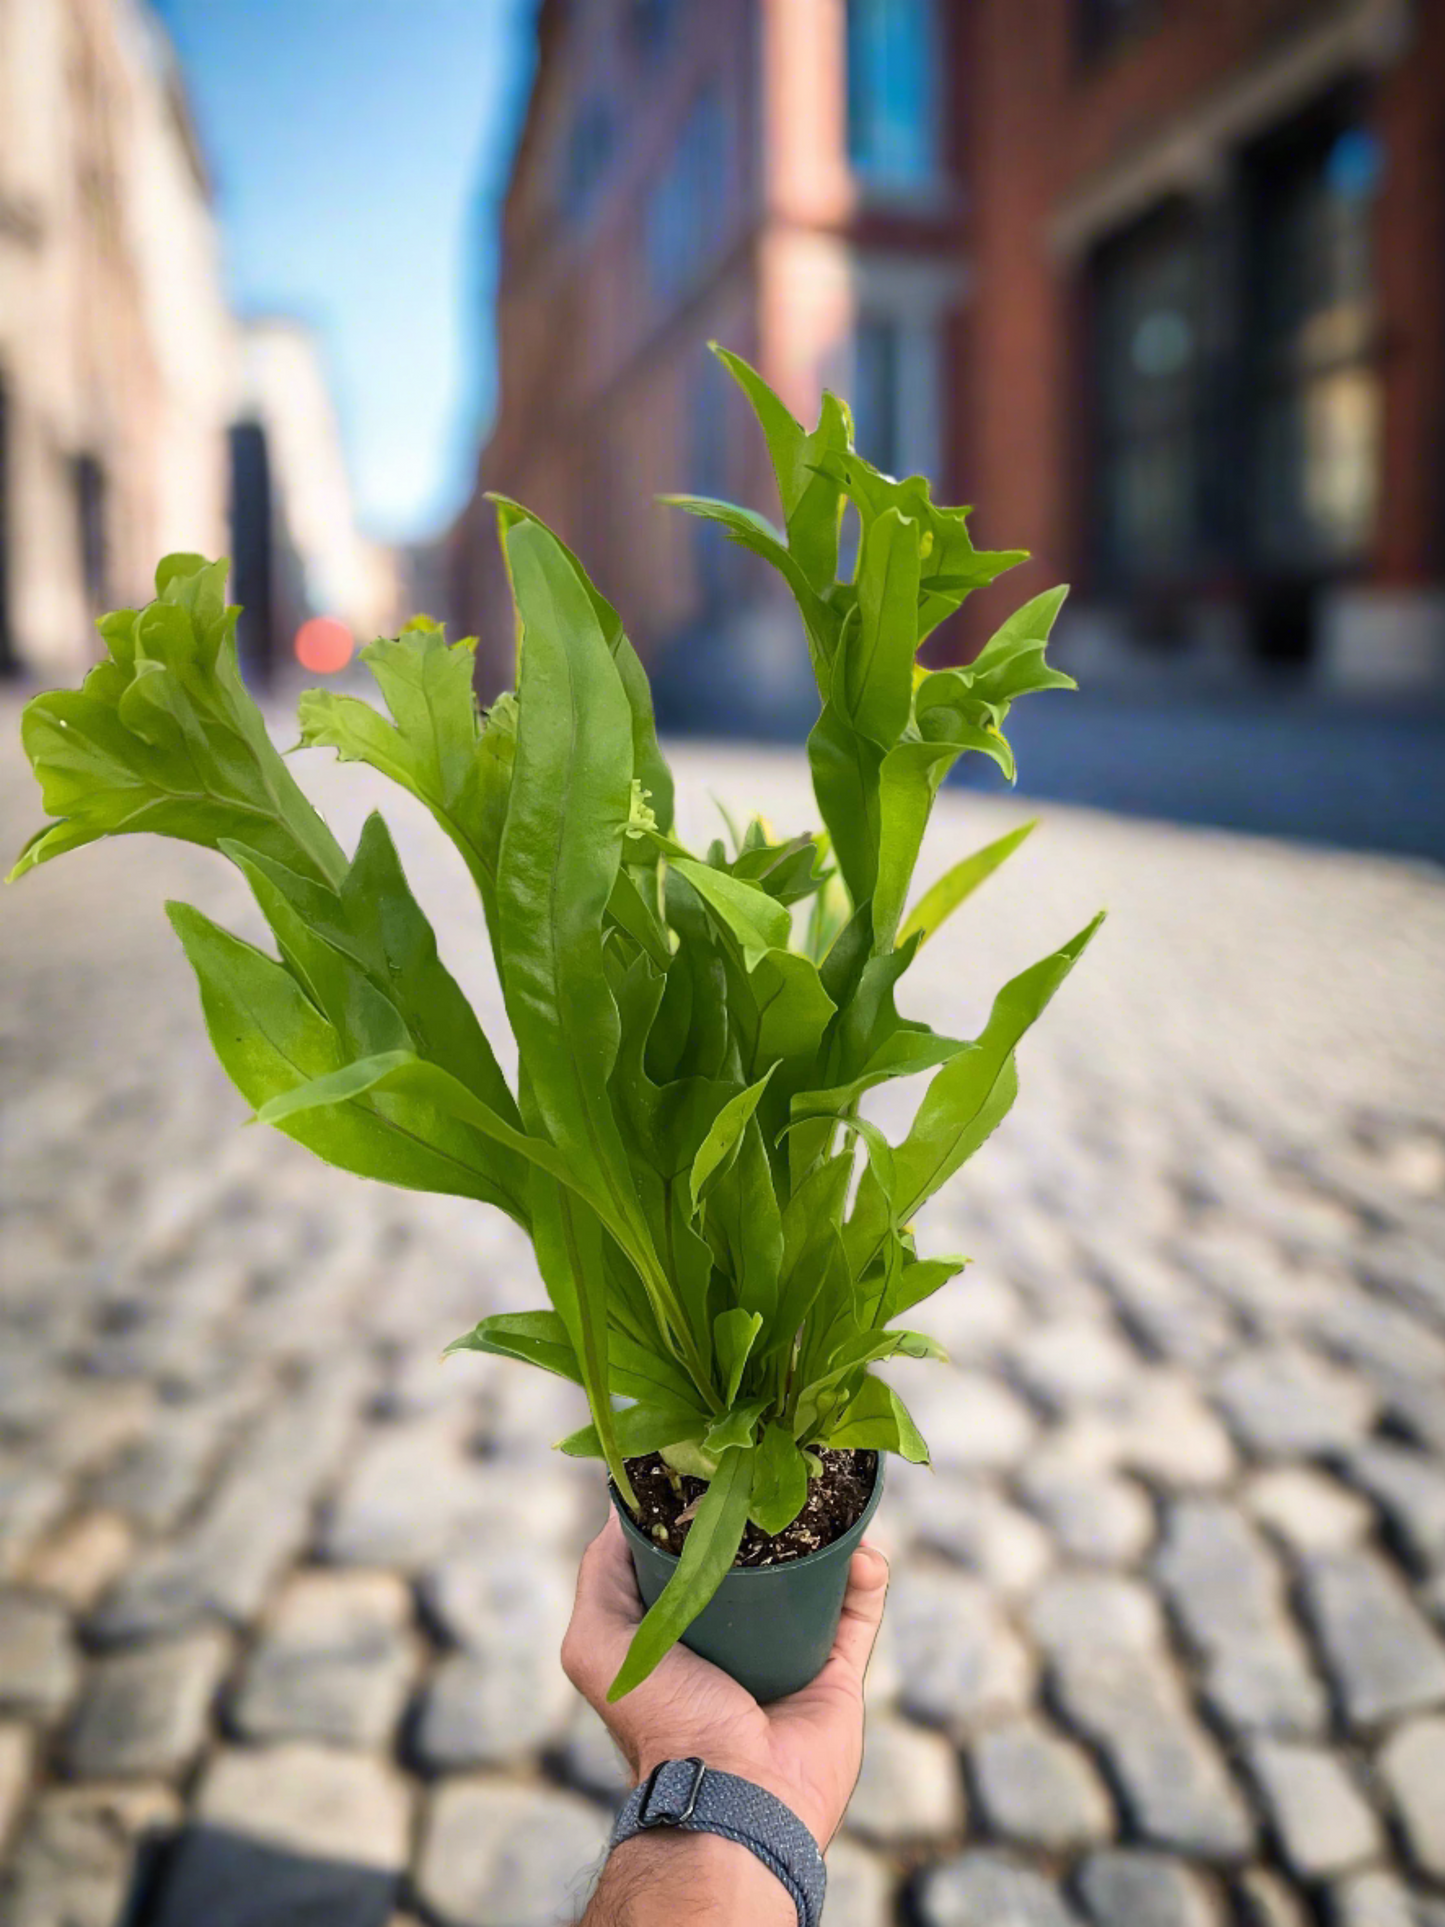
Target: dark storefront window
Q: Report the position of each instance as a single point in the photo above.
(253, 551)
(1149, 392)
(1235, 390)
(1313, 386)
(893, 65)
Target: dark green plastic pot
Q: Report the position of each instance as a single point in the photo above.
(770, 1627)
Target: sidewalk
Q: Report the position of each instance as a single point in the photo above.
(283, 1593)
(1364, 777)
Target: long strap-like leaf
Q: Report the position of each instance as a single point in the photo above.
(941, 899)
(568, 1239)
(708, 1551)
(561, 848)
(648, 764)
(403, 1070)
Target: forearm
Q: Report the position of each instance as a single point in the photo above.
(671, 1879)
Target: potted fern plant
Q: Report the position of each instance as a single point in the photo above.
(695, 1029)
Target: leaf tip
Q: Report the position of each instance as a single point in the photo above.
(629, 1674)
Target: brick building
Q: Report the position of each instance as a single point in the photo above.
(1157, 282)
(730, 172)
(1207, 331)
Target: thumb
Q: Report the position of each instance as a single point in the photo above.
(862, 1610)
(606, 1613)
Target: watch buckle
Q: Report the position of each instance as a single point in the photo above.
(671, 1817)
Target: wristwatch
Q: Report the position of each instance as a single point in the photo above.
(699, 1799)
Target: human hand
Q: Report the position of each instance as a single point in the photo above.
(806, 1749)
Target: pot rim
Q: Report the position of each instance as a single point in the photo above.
(736, 1572)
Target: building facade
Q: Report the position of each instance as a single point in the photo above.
(116, 349)
(1207, 330)
(1157, 282)
(296, 549)
(783, 176)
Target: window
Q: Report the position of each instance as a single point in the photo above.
(1313, 386)
(253, 552)
(1236, 391)
(586, 154)
(896, 380)
(895, 383)
(893, 66)
(88, 482)
(708, 469)
(652, 24)
(877, 347)
(1103, 25)
(1148, 367)
(687, 208)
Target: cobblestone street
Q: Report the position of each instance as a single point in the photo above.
(1166, 1638)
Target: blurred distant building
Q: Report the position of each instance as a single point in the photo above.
(135, 416)
(1157, 282)
(116, 376)
(783, 175)
(423, 573)
(295, 546)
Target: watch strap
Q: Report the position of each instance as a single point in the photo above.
(696, 1798)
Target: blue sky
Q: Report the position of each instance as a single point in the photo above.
(359, 148)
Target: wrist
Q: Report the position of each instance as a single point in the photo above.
(659, 1878)
(719, 1759)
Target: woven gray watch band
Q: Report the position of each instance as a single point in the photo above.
(690, 1795)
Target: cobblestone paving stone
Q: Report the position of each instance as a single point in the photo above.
(1167, 1636)
(1145, 1890)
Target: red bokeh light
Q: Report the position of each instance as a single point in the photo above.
(323, 645)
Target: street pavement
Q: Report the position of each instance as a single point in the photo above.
(281, 1593)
